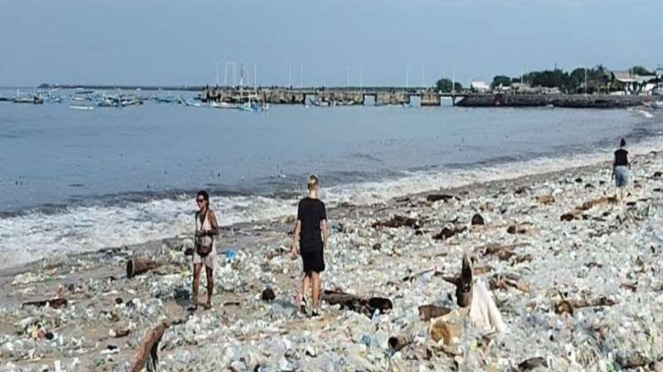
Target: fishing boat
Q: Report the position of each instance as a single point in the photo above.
(224, 105)
(191, 103)
(81, 108)
(253, 106)
(319, 103)
(33, 99)
(169, 99)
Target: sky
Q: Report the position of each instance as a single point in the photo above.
(156, 42)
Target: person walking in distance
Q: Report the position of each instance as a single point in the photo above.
(619, 171)
(312, 234)
(204, 253)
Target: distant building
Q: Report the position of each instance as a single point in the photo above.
(632, 84)
(479, 87)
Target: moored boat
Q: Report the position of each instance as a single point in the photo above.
(82, 108)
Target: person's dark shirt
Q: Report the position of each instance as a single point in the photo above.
(621, 158)
(311, 212)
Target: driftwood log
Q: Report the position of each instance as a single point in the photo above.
(398, 221)
(568, 306)
(396, 343)
(362, 305)
(463, 283)
(437, 197)
(448, 232)
(427, 312)
(54, 303)
(532, 363)
(147, 351)
(138, 265)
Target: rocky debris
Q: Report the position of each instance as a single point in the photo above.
(367, 306)
(268, 295)
(597, 202)
(545, 199)
(398, 221)
(575, 215)
(448, 232)
(502, 252)
(522, 190)
(477, 219)
(518, 229)
(437, 197)
(504, 281)
(54, 303)
(532, 363)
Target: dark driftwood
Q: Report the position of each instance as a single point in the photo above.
(137, 266)
(463, 283)
(396, 343)
(532, 363)
(436, 197)
(447, 232)
(568, 306)
(361, 305)
(427, 312)
(55, 303)
(398, 221)
(147, 351)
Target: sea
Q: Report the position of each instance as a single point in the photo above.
(80, 180)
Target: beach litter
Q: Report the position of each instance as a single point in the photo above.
(410, 285)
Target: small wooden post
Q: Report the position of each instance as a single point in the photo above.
(463, 283)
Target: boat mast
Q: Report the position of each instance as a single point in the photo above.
(361, 77)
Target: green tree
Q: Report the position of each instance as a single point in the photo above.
(502, 80)
(639, 70)
(445, 85)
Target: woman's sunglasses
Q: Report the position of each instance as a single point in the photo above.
(200, 201)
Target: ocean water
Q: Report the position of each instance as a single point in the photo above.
(73, 181)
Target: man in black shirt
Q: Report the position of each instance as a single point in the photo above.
(311, 233)
(619, 171)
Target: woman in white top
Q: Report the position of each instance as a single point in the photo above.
(205, 251)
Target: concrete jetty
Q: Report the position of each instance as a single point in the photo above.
(556, 100)
(383, 96)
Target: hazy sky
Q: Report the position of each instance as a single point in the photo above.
(180, 42)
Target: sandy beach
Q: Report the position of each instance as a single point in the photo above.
(575, 277)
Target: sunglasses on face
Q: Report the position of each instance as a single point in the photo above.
(200, 201)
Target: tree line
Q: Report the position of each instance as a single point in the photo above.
(597, 78)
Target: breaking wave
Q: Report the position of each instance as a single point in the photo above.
(49, 232)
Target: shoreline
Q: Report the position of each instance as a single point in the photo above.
(485, 185)
(599, 254)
